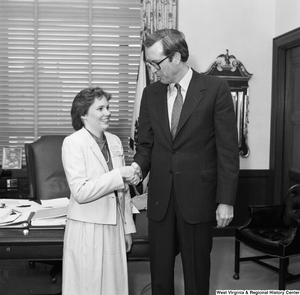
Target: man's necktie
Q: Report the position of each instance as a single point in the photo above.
(176, 110)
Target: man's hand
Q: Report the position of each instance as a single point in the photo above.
(224, 215)
(129, 175)
(138, 174)
(137, 169)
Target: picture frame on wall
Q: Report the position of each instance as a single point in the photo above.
(12, 158)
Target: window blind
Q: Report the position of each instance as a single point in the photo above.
(50, 50)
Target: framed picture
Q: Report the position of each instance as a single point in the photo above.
(12, 158)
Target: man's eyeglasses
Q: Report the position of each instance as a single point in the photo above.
(155, 65)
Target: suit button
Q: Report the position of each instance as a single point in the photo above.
(171, 172)
(173, 152)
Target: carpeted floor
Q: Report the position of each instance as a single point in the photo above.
(17, 278)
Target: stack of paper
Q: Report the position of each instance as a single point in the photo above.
(25, 213)
(54, 203)
(56, 216)
(17, 220)
(4, 213)
(21, 206)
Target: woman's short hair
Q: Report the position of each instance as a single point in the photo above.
(172, 41)
(82, 102)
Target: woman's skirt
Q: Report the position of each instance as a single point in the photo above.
(94, 259)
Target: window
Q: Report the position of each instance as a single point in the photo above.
(51, 49)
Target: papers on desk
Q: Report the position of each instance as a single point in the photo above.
(17, 220)
(20, 213)
(56, 216)
(25, 213)
(58, 222)
(21, 206)
(55, 203)
(4, 213)
(50, 213)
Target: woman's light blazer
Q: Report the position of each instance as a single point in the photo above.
(91, 183)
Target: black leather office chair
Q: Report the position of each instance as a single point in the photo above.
(46, 177)
(140, 250)
(274, 231)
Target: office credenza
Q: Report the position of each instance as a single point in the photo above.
(32, 244)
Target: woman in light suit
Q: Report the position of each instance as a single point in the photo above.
(100, 223)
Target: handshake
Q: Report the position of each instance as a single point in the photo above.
(131, 174)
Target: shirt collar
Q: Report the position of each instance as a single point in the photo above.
(97, 139)
(184, 82)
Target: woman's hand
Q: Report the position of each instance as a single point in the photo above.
(129, 175)
(128, 241)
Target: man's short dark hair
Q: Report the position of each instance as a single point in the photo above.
(172, 40)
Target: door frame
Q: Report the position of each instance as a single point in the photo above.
(280, 46)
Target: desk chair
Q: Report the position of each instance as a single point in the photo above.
(46, 177)
(274, 231)
(140, 250)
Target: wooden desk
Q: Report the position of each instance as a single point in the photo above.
(38, 244)
(47, 244)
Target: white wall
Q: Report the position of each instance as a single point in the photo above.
(287, 16)
(247, 29)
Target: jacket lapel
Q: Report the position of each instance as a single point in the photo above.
(96, 150)
(193, 98)
(161, 105)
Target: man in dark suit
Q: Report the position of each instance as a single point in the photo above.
(193, 163)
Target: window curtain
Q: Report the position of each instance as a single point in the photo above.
(156, 15)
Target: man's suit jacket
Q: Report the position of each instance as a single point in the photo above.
(203, 159)
(91, 183)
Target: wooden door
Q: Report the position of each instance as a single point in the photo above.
(285, 116)
(291, 136)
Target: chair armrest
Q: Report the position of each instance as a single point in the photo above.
(293, 236)
(264, 216)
